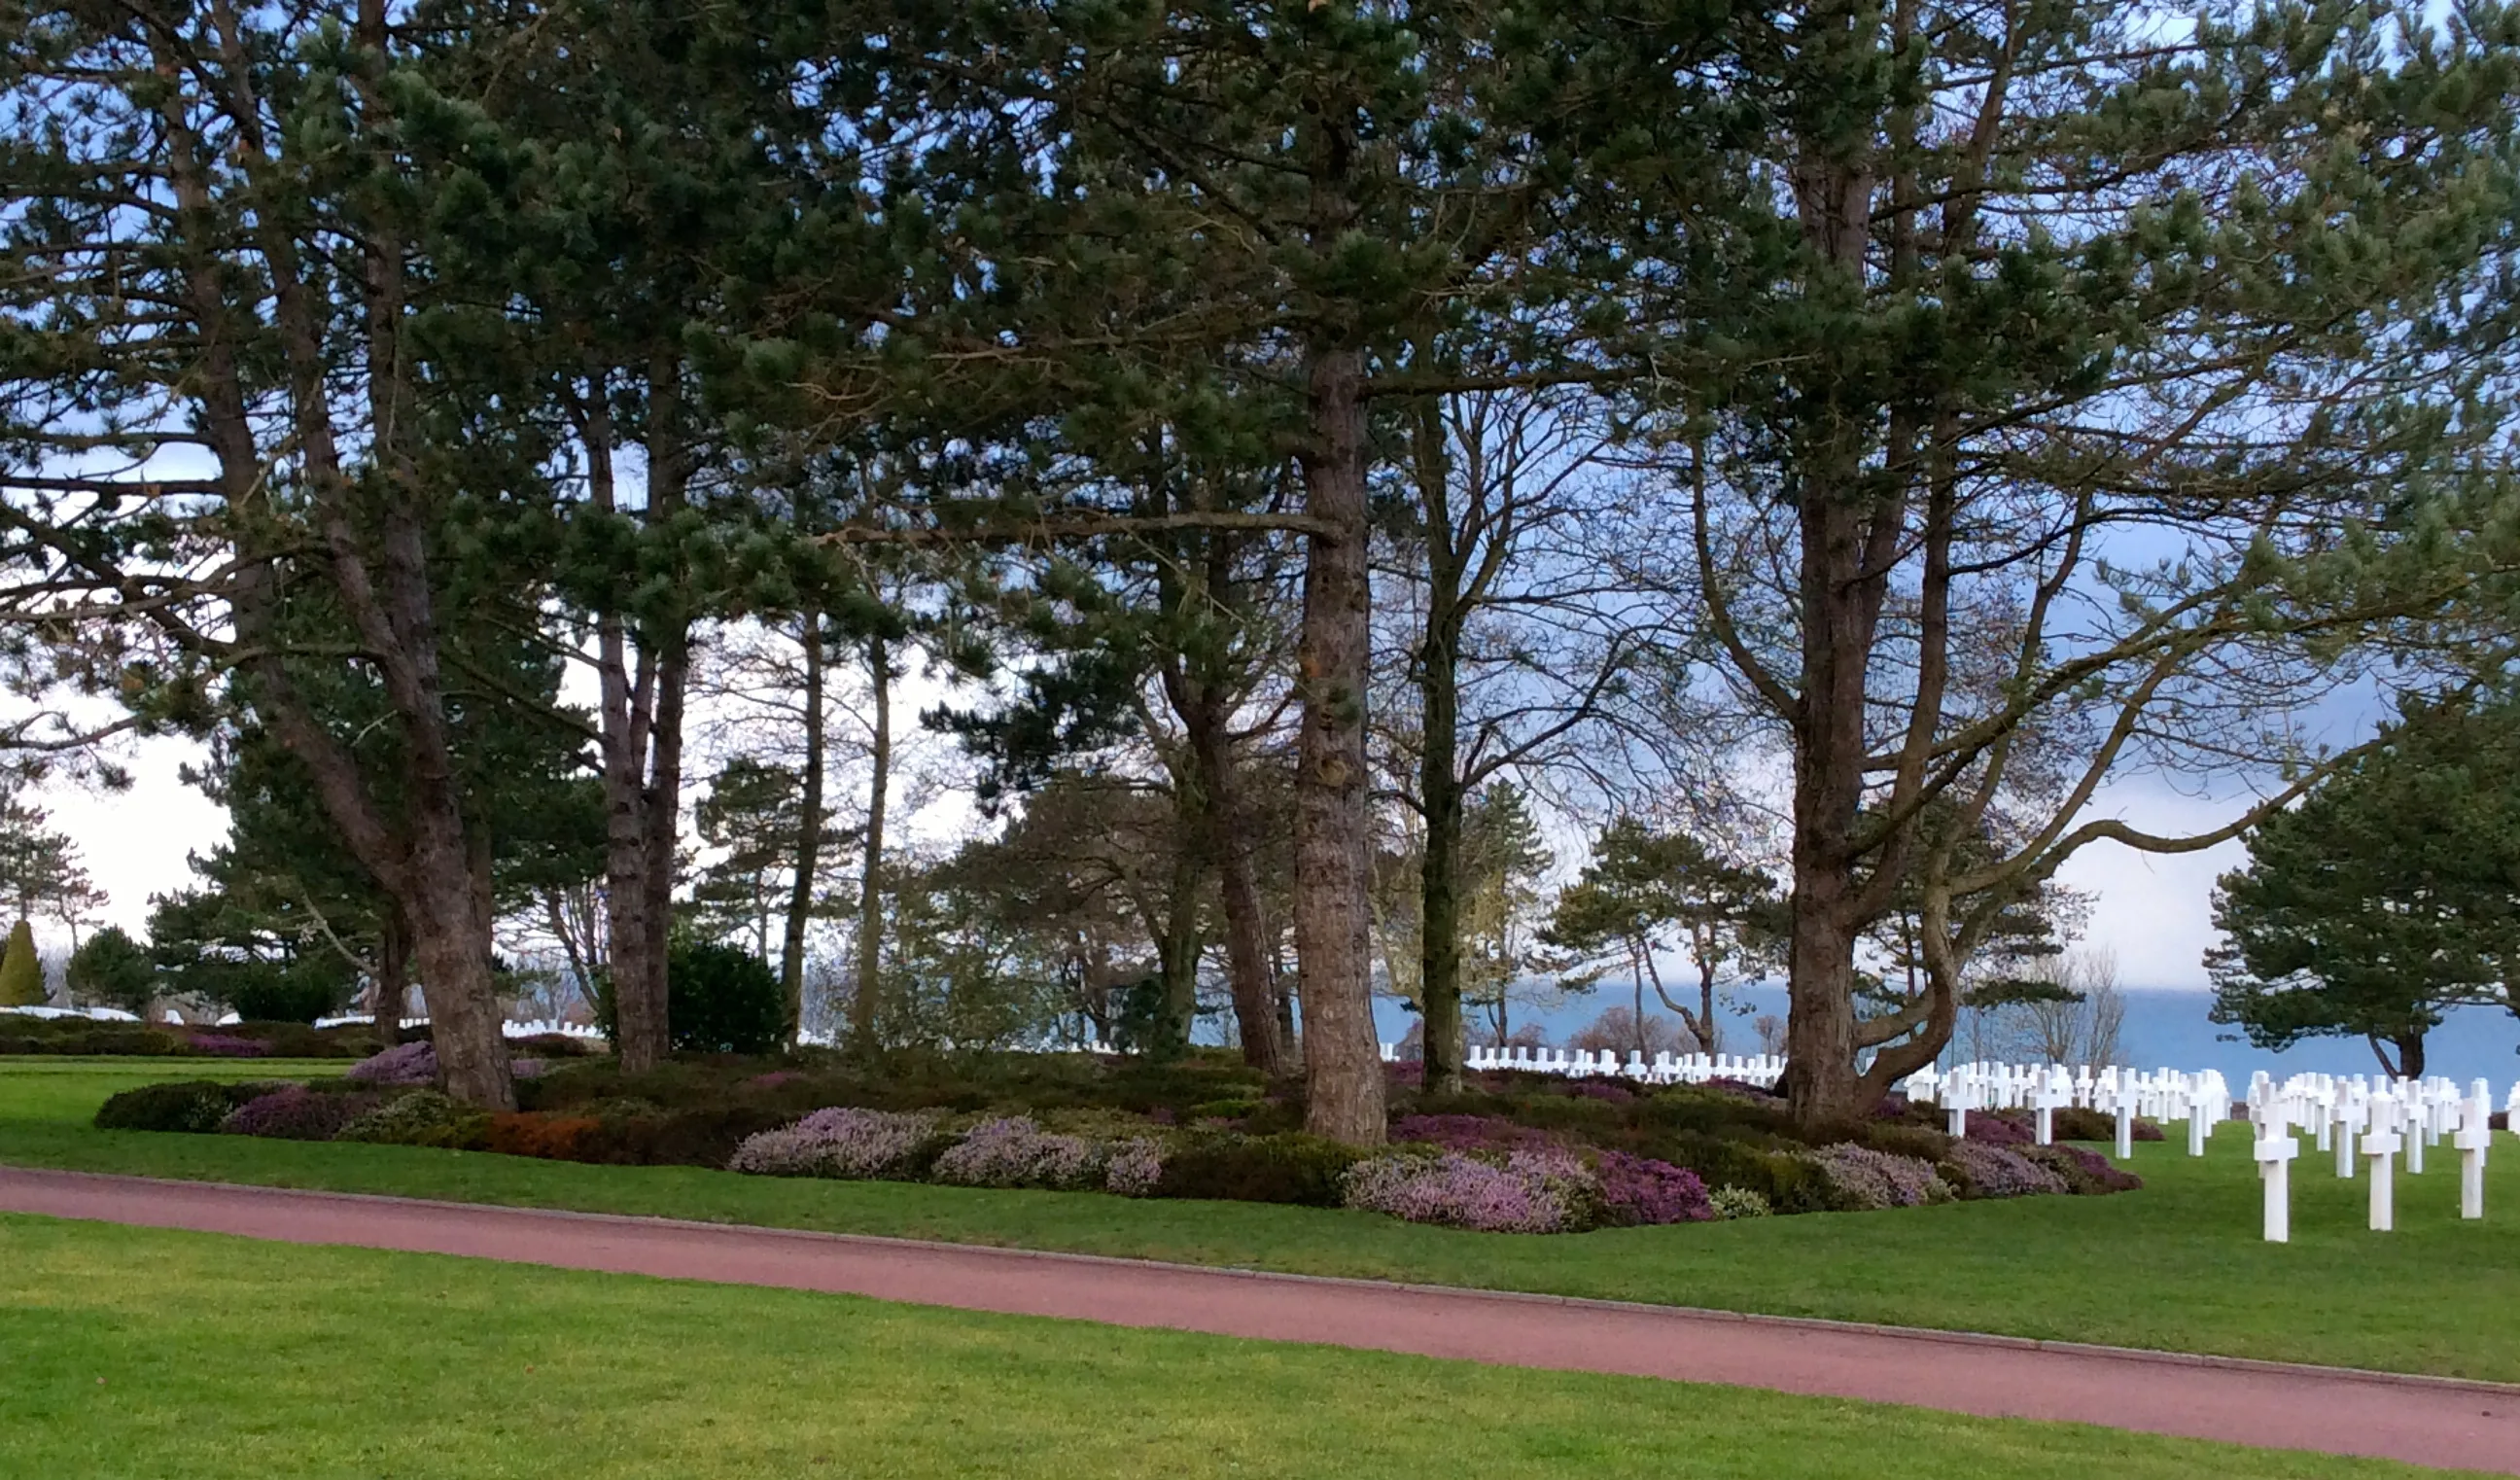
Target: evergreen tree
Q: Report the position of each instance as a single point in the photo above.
(22, 974)
(1645, 891)
(1999, 288)
(111, 968)
(2390, 894)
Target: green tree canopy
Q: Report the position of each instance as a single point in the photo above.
(113, 969)
(2391, 893)
(1646, 891)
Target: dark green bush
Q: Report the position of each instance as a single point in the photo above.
(1291, 1167)
(1919, 1141)
(632, 1135)
(1789, 1181)
(298, 992)
(421, 1118)
(721, 999)
(81, 1036)
(196, 1105)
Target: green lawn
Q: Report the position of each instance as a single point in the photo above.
(2178, 1266)
(143, 1353)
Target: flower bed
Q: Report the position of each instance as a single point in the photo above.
(1509, 1153)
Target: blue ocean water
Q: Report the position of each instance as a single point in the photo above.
(2165, 1028)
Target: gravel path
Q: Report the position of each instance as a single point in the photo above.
(2421, 1421)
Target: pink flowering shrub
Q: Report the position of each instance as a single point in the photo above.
(2001, 1128)
(1012, 1151)
(1638, 1189)
(1136, 1168)
(1530, 1192)
(1997, 1171)
(228, 1046)
(294, 1112)
(2084, 1171)
(841, 1141)
(414, 1063)
(1867, 1178)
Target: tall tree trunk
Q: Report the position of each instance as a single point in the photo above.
(1247, 954)
(809, 836)
(642, 724)
(392, 986)
(1333, 819)
(1439, 984)
(1177, 952)
(870, 963)
(1840, 593)
(1439, 777)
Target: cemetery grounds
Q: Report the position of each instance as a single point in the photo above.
(153, 1352)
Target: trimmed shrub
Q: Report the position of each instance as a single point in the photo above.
(1532, 1192)
(2084, 1172)
(296, 1112)
(1638, 1189)
(198, 1105)
(1923, 1142)
(1288, 1167)
(1790, 1179)
(226, 1046)
(528, 1132)
(1136, 1168)
(633, 1134)
(1737, 1202)
(2001, 1128)
(1013, 1152)
(22, 974)
(298, 992)
(1467, 1133)
(1866, 1179)
(410, 1064)
(551, 1046)
(841, 1141)
(2075, 1123)
(1997, 1171)
(82, 1036)
(420, 1118)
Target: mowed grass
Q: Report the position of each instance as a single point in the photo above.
(143, 1353)
(2176, 1267)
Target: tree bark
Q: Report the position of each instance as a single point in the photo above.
(1178, 948)
(869, 972)
(642, 722)
(1228, 848)
(809, 835)
(1333, 821)
(392, 986)
(1439, 778)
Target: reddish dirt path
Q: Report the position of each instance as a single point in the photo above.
(2421, 1421)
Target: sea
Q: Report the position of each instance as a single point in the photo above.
(2166, 1028)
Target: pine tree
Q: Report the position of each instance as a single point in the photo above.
(22, 974)
(2389, 895)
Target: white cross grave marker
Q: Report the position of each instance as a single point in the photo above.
(2475, 1134)
(2275, 1150)
(2381, 1144)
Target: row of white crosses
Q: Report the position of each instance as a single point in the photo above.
(1663, 1068)
(2356, 1118)
(2202, 1099)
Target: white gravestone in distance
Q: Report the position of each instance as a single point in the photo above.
(2275, 1150)
(2381, 1145)
(2475, 1136)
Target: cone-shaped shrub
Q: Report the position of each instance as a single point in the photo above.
(21, 976)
